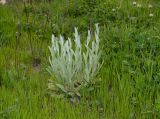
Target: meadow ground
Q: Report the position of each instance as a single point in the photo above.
(130, 43)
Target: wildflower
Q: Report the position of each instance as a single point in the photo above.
(139, 5)
(150, 6)
(101, 109)
(17, 34)
(134, 3)
(113, 10)
(3, 2)
(151, 15)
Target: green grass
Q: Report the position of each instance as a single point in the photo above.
(130, 43)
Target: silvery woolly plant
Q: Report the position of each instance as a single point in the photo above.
(73, 65)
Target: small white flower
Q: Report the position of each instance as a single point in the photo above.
(151, 15)
(113, 10)
(3, 2)
(150, 6)
(139, 5)
(134, 3)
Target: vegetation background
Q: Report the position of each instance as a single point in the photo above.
(130, 44)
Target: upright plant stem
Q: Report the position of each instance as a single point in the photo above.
(16, 53)
(29, 29)
(30, 42)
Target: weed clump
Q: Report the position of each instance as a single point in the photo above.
(73, 66)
